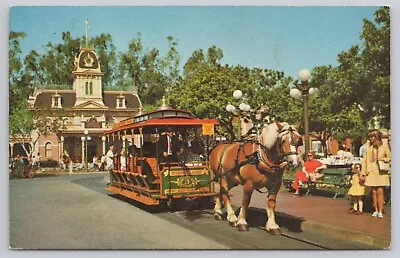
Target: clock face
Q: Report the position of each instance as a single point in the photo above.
(88, 60)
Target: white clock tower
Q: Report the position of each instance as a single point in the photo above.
(87, 78)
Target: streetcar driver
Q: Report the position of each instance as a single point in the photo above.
(168, 145)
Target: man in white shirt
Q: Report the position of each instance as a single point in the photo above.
(363, 148)
(110, 158)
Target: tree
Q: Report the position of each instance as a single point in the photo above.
(364, 70)
(207, 86)
(356, 92)
(28, 125)
(152, 74)
(106, 51)
(17, 87)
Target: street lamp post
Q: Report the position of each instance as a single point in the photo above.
(84, 139)
(303, 90)
(243, 107)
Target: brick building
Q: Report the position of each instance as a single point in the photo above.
(85, 108)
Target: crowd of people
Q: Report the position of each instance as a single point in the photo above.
(372, 175)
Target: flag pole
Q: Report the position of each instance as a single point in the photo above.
(86, 22)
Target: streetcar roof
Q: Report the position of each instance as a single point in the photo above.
(160, 118)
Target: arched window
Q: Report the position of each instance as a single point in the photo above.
(47, 151)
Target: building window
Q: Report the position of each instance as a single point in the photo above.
(86, 88)
(56, 101)
(121, 101)
(91, 88)
(47, 151)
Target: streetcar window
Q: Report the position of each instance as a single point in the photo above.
(169, 113)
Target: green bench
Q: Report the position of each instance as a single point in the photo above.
(335, 179)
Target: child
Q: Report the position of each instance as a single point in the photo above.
(357, 190)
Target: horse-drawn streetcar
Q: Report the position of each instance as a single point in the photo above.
(164, 157)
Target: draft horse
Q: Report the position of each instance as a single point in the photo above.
(254, 164)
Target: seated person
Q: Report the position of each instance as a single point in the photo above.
(146, 170)
(310, 171)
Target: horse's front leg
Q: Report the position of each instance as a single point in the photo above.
(271, 225)
(247, 192)
(231, 217)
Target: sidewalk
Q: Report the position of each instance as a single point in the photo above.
(325, 215)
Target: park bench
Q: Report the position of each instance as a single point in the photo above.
(336, 179)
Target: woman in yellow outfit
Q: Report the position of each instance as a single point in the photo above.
(376, 178)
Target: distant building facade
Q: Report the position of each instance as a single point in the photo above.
(85, 108)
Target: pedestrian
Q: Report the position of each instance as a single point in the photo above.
(95, 164)
(16, 163)
(110, 158)
(310, 172)
(70, 164)
(102, 162)
(377, 177)
(347, 154)
(357, 190)
(341, 153)
(364, 144)
(66, 160)
(38, 160)
(34, 162)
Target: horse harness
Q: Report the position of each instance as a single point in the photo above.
(259, 159)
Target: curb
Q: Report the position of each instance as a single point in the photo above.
(334, 231)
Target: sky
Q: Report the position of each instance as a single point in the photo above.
(280, 38)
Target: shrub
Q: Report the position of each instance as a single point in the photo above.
(49, 163)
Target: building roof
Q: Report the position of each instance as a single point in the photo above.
(43, 98)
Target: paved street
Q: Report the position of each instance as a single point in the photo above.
(48, 213)
(75, 212)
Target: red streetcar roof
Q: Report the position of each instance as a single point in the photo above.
(158, 119)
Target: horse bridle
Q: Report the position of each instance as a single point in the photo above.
(283, 133)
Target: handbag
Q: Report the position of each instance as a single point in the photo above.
(383, 166)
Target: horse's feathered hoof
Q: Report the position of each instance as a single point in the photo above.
(217, 216)
(243, 227)
(274, 232)
(232, 223)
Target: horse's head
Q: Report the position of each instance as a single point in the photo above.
(281, 139)
(288, 140)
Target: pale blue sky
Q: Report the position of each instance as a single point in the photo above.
(279, 38)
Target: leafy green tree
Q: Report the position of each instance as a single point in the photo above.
(364, 71)
(17, 88)
(152, 74)
(207, 86)
(40, 121)
(108, 57)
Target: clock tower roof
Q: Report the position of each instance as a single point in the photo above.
(87, 62)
